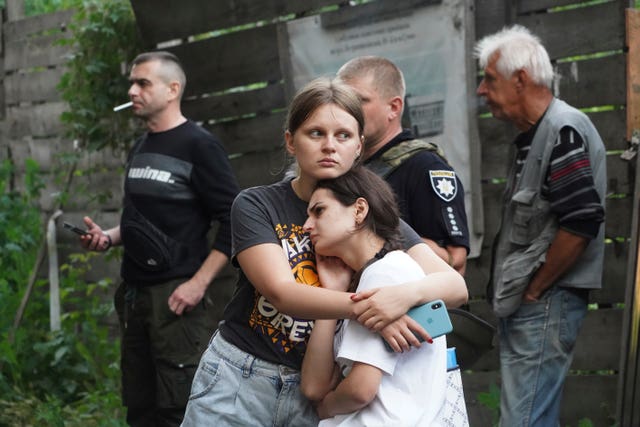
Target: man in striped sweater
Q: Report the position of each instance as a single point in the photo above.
(549, 251)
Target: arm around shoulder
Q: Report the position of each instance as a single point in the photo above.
(442, 281)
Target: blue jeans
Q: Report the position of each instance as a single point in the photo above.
(234, 388)
(536, 349)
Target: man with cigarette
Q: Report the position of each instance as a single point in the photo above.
(178, 180)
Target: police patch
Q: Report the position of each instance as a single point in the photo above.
(444, 183)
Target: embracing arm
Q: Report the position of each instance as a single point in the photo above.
(319, 373)
(268, 270)
(455, 256)
(441, 282)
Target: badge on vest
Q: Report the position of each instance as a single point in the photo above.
(444, 184)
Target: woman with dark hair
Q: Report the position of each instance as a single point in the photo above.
(354, 218)
(250, 374)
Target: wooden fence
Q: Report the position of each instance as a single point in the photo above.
(238, 90)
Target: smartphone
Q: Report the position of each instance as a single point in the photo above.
(433, 317)
(75, 229)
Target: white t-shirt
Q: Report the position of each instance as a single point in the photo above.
(413, 387)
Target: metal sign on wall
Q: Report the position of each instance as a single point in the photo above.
(429, 45)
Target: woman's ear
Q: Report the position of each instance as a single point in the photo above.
(288, 140)
(362, 209)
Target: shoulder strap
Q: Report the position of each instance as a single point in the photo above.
(394, 157)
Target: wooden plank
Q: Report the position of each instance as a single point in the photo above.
(2, 37)
(491, 16)
(497, 151)
(475, 384)
(620, 175)
(633, 71)
(250, 135)
(259, 168)
(618, 218)
(38, 120)
(105, 158)
(36, 25)
(15, 9)
(584, 84)
(235, 104)
(611, 125)
(37, 86)
(161, 20)
(101, 189)
(47, 194)
(603, 327)
(528, 6)
(492, 203)
(41, 150)
(372, 12)
(570, 33)
(3, 103)
(215, 64)
(477, 273)
(615, 274)
(591, 397)
(36, 52)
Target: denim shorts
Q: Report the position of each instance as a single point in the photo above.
(234, 388)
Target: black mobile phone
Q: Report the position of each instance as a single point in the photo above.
(75, 229)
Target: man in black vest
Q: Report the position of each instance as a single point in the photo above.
(178, 180)
(430, 195)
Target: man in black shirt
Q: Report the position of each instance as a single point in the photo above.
(178, 180)
(430, 195)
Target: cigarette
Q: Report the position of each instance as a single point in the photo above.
(123, 106)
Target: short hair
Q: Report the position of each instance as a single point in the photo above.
(319, 92)
(387, 77)
(519, 49)
(384, 216)
(171, 69)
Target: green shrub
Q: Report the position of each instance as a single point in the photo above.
(68, 377)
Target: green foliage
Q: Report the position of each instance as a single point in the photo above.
(64, 378)
(38, 7)
(104, 38)
(20, 225)
(491, 400)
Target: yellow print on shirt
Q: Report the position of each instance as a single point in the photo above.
(287, 332)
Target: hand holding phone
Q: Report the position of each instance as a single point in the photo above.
(433, 317)
(74, 229)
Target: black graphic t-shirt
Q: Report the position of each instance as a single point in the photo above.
(180, 180)
(273, 214)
